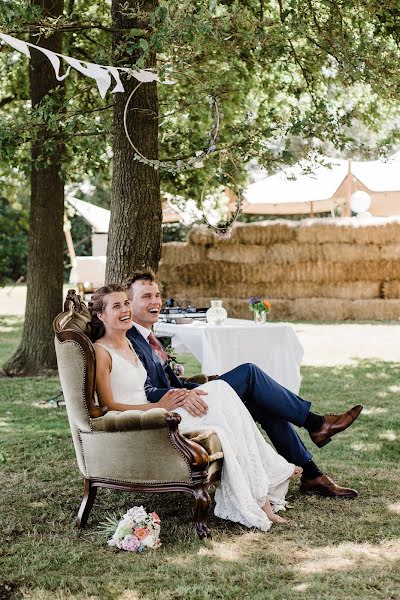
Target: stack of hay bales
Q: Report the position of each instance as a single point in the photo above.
(314, 269)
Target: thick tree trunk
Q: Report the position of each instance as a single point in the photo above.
(134, 239)
(45, 261)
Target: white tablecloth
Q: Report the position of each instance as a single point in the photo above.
(274, 347)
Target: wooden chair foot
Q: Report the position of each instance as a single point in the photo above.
(201, 512)
(89, 495)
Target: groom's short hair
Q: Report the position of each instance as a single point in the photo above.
(144, 275)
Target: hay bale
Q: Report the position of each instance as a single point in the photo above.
(176, 253)
(201, 235)
(391, 289)
(320, 309)
(284, 290)
(222, 273)
(238, 253)
(349, 230)
(346, 291)
(293, 252)
(264, 233)
(390, 251)
(375, 310)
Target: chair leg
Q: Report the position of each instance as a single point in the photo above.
(89, 495)
(201, 511)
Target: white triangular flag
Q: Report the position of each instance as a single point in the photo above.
(17, 44)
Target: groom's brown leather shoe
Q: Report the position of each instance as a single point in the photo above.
(334, 424)
(325, 486)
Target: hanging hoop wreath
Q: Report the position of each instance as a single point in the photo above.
(224, 228)
(174, 166)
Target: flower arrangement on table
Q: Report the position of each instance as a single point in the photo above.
(172, 362)
(135, 531)
(261, 308)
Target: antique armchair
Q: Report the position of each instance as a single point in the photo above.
(132, 450)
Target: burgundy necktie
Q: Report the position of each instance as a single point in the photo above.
(157, 348)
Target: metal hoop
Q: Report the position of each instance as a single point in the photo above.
(224, 228)
(178, 165)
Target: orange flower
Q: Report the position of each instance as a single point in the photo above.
(267, 304)
(141, 533)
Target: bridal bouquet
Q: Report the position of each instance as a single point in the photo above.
(136, 530)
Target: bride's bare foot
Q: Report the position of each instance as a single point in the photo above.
(273, 517)
(277, 519)
(297, 471)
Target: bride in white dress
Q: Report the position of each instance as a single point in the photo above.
(255, 477)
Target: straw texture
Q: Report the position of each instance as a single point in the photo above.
(314, 269)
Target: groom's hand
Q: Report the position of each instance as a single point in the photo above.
(194, 404)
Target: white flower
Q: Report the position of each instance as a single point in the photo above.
(148, 541)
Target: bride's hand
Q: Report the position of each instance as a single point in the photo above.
(173, 399)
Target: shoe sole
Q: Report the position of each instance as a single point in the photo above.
(324, 443)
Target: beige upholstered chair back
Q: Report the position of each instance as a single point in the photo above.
(76, 367)
(71, 368)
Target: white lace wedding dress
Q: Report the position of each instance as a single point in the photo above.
(252, 469)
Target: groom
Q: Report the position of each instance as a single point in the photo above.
(269, 403)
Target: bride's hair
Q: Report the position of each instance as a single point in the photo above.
(97, 305)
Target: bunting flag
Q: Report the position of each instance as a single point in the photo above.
(102, 74)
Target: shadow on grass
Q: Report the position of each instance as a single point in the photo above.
(330, 549)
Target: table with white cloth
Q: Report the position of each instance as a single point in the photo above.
(274, 347)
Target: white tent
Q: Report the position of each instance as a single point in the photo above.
(88, 272)
(99, 220)
(307, 188)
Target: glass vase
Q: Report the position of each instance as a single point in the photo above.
(259, 317)
(216, 314)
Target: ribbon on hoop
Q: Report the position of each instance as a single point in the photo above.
(102, 74)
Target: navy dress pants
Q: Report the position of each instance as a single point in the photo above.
(274, 407)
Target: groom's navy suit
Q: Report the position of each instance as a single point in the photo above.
(269, 403)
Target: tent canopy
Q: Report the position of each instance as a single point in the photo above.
(308, 187)
(99, 218)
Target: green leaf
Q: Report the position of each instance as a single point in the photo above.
(137, 32)
(143, 44)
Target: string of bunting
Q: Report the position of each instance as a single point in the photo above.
(102, 74)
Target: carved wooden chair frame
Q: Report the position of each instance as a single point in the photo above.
(194, 454)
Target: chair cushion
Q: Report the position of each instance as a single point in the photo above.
(209, 440)
(130, 420)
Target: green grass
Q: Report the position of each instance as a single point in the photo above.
(10, 333)
(331, 549)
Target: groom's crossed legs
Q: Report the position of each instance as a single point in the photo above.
(275, 408)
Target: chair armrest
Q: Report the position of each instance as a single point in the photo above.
(131, 420)
(199, 378)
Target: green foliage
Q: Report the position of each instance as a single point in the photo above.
(291, 78)
(14, 226)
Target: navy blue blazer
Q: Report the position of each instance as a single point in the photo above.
(160, 378)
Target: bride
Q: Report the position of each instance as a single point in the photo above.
(254, 479)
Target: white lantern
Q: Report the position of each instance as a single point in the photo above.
(360, 202)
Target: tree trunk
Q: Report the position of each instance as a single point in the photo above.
(134, 239)
(45, 260)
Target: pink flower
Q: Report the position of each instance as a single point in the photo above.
(156, 517)
(141, 533)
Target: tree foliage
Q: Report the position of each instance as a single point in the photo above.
(291, 78)
(14, 228)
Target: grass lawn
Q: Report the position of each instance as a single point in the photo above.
(331, 549)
